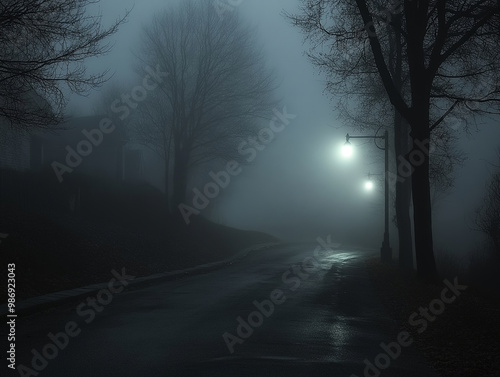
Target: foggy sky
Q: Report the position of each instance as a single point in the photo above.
(299, 186)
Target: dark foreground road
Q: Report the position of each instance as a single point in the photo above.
(322, 323)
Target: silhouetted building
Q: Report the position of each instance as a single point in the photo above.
(90, 145)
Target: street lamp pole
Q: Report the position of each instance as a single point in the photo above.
(385, 250)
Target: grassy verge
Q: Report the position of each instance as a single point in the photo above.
(463, 341)
(59, 252)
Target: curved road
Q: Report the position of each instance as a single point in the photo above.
(313, 320)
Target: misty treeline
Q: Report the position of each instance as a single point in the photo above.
(216, 90)
(214, 85)
(424, 62)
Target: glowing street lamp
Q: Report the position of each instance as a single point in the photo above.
(385, 250)
(369, 185)
(347, 149)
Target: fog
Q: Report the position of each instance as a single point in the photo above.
(300, 184)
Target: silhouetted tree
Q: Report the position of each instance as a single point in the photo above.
(218, 89)
(451, 55)
(44, 44)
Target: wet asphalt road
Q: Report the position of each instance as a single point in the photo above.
(313, 320)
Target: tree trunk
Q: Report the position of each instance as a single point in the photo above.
(418, 118)
(401, 143)
(179, 182)
(422, 214)
(179, 186)
(403, 195)
(170, 209)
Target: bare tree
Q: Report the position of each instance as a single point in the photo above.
(451, 53)
(362, 103)
(44, 45)
(445, 45)
(218, 89)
